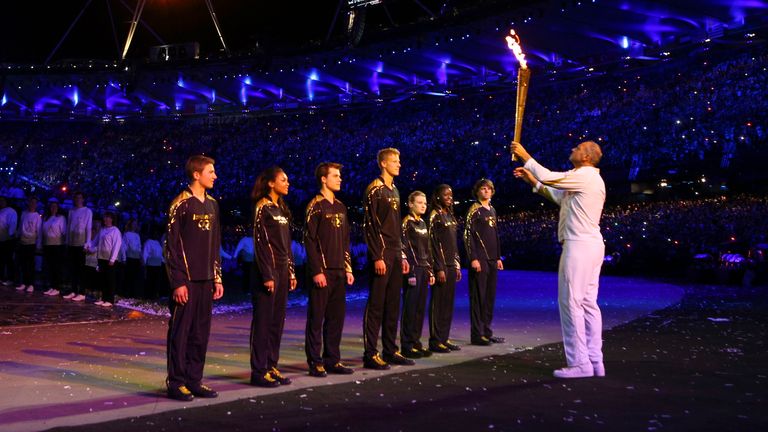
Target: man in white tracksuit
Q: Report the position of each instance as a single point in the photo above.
(580, 193)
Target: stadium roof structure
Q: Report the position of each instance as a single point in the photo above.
(199, 57)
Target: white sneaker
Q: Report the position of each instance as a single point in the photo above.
(106, 304)
(69, 296)
(98, 303)
(599, 369)
(48, 292)
(21, 287)
(30, 289)
(580, 371)
(53, 292)
(78, 298)
(7, 283)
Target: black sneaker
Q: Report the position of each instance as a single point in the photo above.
(180, 393)
(412, 353)
(452, 346)
(398, 359)
(496, 339)
(440, 348)
(203, 391)
(283, 380)
(375, 362)
(340, 369)
(482, 341)
(265, 380)
(317, 370)
(425, 352)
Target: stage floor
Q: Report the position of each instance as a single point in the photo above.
(83, 364)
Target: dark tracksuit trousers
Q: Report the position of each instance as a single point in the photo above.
(26, 254)
(383, 306)
(325, 319)
(441, 304)
(482, 296)
(76, 261)
(188, 331)
(414, 303)
(108, 280)
(6, 260)
(268, 320)
(53, 258)
(153, 281)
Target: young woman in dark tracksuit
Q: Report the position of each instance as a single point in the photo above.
(274, 275)
(445, 253)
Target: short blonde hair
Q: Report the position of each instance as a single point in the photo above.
(383, 153)
(414, 194)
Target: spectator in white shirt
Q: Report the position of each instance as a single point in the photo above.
(244, 256)
(108, 249)
(580, 193)
(30, 240)
(152, 258)
(90, 272)
(8, 222)
(132, 247)
(54, 240)
(79, 223)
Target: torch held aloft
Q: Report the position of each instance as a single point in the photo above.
(523, 77)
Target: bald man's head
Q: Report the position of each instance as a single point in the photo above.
(586, 153)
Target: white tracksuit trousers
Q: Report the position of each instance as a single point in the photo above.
(580, 318)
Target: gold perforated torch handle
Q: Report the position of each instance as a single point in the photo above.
(523, 76)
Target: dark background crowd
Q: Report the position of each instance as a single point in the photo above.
(690, 133)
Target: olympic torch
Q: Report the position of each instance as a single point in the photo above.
(523, 76)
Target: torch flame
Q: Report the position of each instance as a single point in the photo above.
(513, 43)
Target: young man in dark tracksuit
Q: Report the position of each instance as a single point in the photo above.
(481, 239)
(326, 239)
(445, 255)
(193, 263)
(382, 235)
(416, 250)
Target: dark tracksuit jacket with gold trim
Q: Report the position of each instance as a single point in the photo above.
(443, 240)
(382, 220)
(193, 245)
(272, 239)
(481, 238)
(326, 236)
(416, 244)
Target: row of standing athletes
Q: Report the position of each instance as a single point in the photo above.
(400, 250)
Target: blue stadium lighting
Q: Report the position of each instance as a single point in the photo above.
(624, 42)
(180, 82)
(248, 80)
(243, 95)
(4, 101)
(75, 97)
(442, 74)
(213, 95)
(374, 83)
(310, 89)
